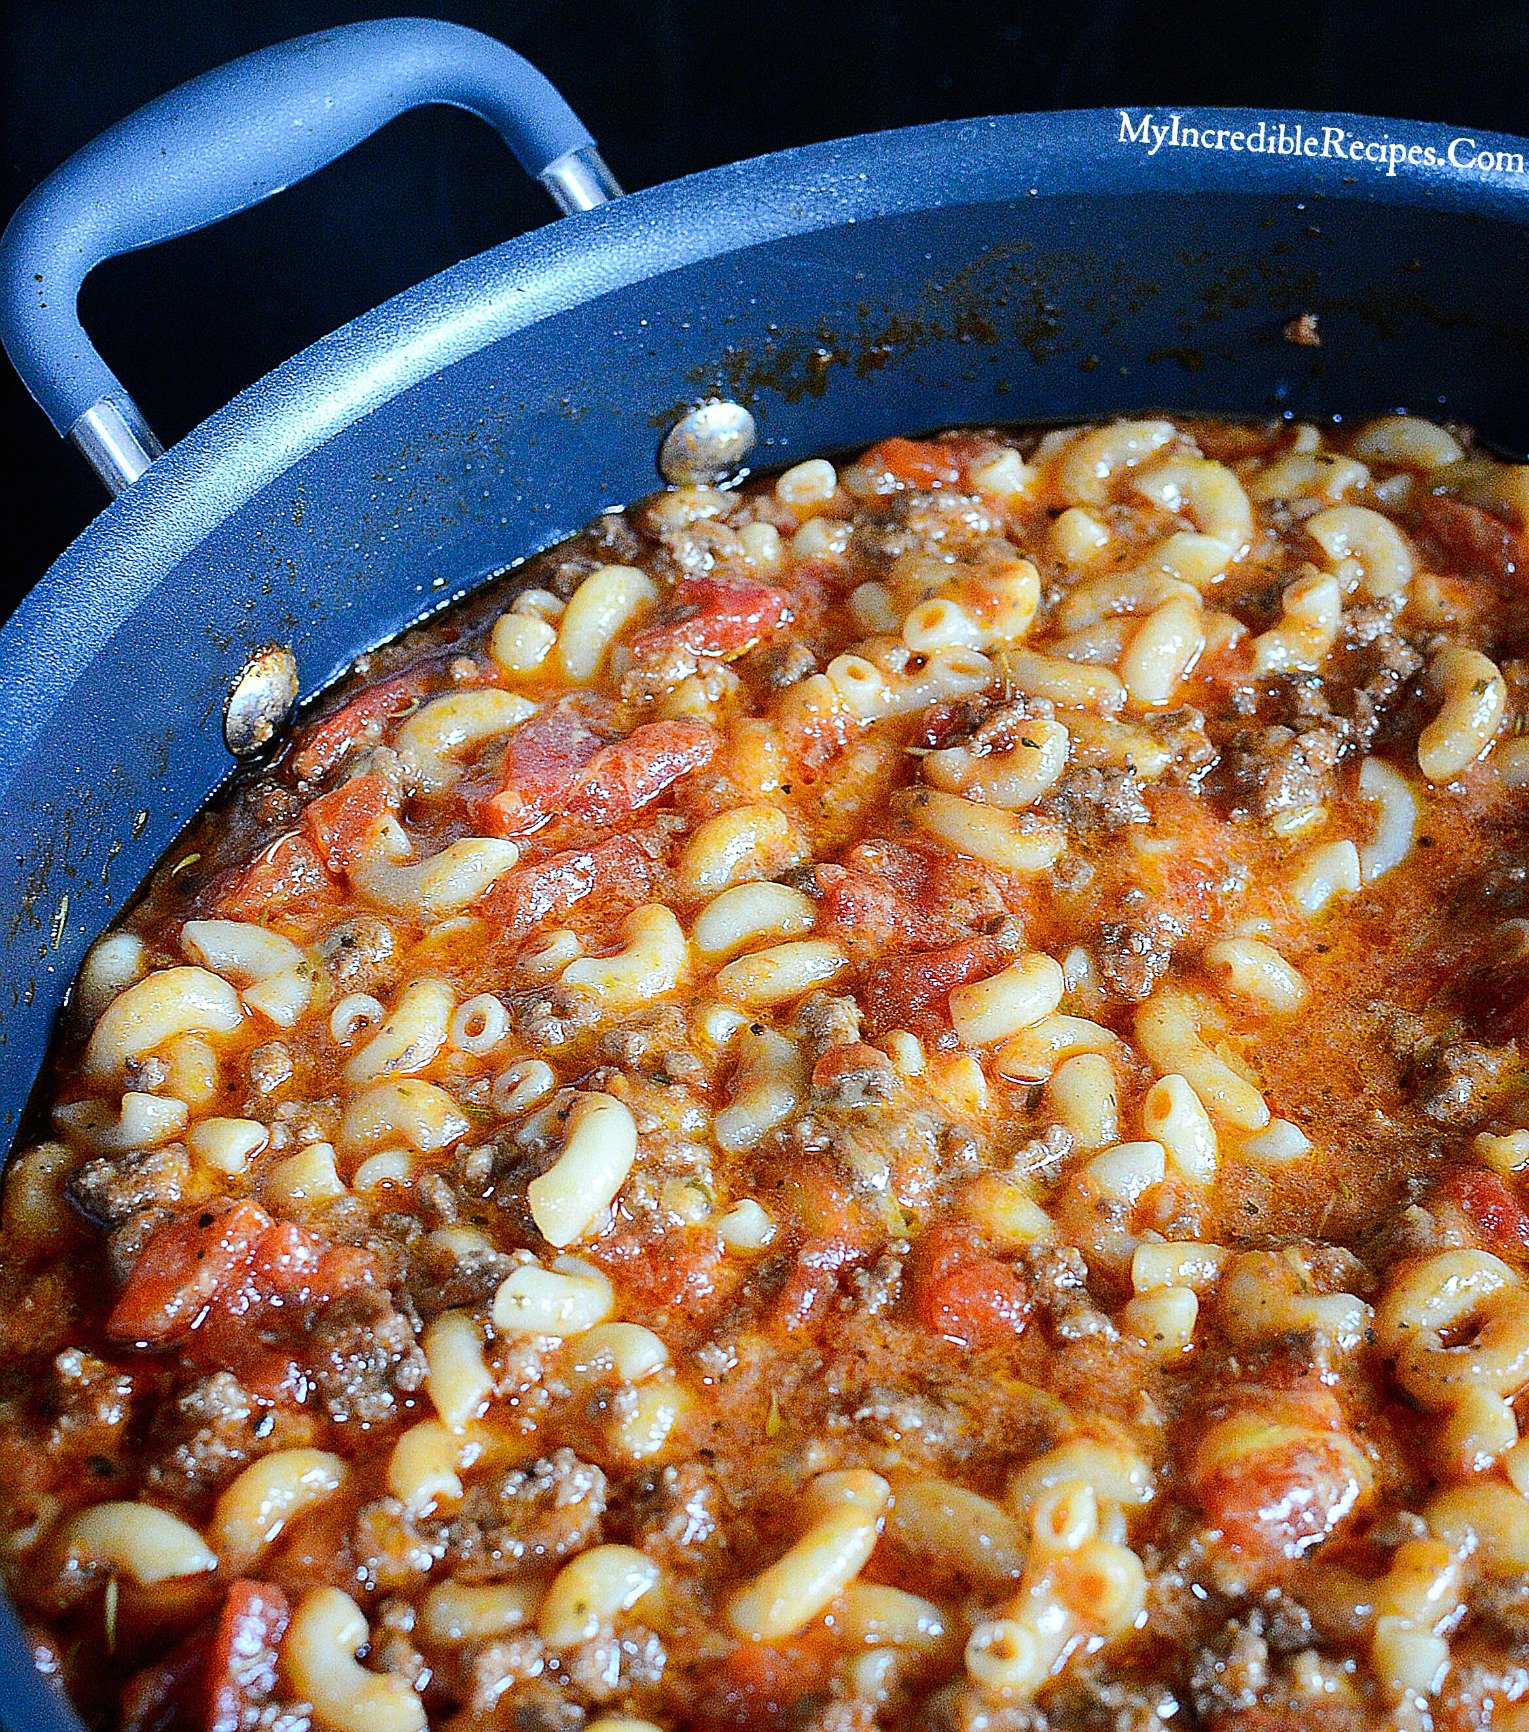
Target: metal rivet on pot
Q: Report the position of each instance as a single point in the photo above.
(708, 445)
(261, 700)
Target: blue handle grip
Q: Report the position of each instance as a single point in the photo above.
(227, 140)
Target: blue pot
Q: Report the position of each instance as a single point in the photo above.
(1032, 267)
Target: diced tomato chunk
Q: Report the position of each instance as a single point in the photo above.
(549, 888)
(342, 1267)
(522, 900)
(218, 1285)
(691, 1279)
(975, 1303)
(912, 989)
(1474, 538)
(761, 1687)
(1278, 1477)
(815, 1279)
(629, 774)
(914, 462)
(241, 1672)
(181, 1269)
(1484, 1198)
(1187, 883)
(218, 1677)
(327, 741)
(213, 1272)
(285, 1258)
(864, 904)
(288, 870)
(850, 1061)
(169, 1696)
(965, 1294)
(288, 1265)
(541, 767)
(270, 1374)
(559, 765)
(814, 1194)
(709, 616)
(903, 897)
(340, 823)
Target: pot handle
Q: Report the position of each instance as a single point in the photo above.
(223, 142)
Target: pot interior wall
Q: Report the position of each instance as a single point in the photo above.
(1009, 311)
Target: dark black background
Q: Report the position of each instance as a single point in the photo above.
(667, 86)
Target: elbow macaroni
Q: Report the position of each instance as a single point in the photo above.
(1474, 701)
(792, 1591)
(601, 1145)
(327, 1632)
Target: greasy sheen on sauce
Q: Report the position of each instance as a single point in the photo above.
(890, 1098)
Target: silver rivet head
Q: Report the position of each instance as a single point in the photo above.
(260, 701)
(708, 445)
